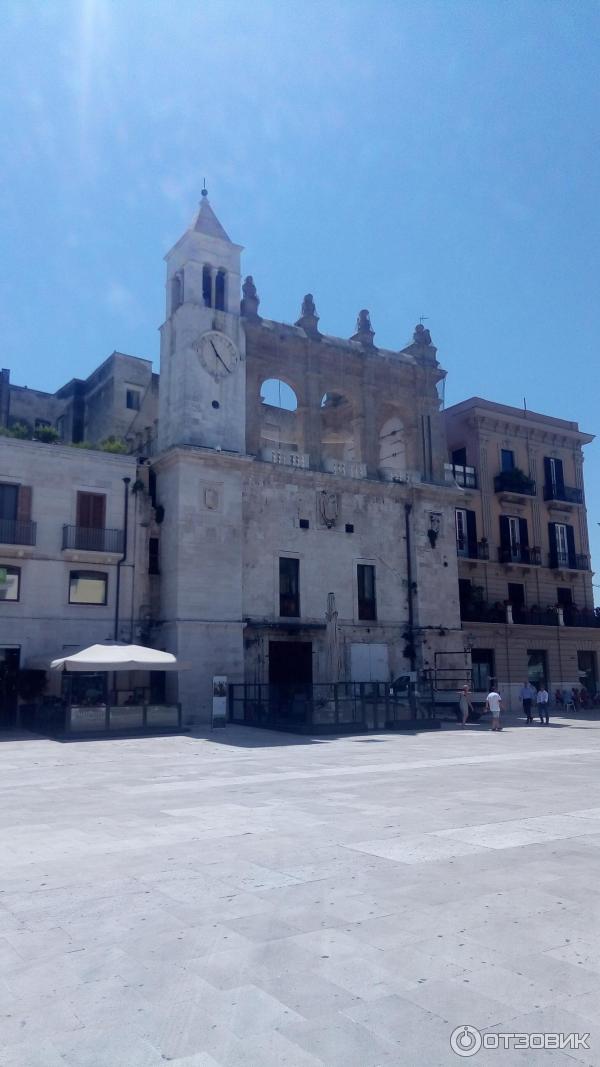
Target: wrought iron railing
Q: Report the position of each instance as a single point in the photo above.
(514, 482)
(462, 475)
(520, 554)
(568, 493)
(90, 539)
(16, 532)
(569, 560)
(347, 707)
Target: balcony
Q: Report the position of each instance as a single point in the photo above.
(86, 539)
(568, 561)
(15, 532)
(345, 468)
(285, 458)
(479, 611)
(514, 481)
(574, 617)
(474, 550)
(568, 493)
(463, 476)
(523, 554)
(534, 616)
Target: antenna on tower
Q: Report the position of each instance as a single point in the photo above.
(204, 189)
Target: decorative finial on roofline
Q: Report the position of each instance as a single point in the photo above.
(204, 189)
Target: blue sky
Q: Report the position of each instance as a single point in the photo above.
(415, 158)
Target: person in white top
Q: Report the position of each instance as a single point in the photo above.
(542, 705)
(493, 702)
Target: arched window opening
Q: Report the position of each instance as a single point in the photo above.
(392, 445)
(337, 428)
(220, 290)
(207, 286)
(176, 292)
(278, 394)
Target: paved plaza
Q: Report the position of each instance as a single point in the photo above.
(259, 899)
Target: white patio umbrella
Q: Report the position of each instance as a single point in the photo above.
(113, 656)
(334, 658)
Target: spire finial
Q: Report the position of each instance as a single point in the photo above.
(204, 189)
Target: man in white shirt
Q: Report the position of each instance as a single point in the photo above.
(527, 694)
(542, 704)
(493, 702)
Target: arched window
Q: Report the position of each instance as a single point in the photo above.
(207, 286)
(277, 394)
(337, 428)
(176, 292)
(220, 290)
(392, 447)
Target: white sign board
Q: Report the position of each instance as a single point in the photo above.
(219, 705)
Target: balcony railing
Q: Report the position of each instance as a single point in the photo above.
(514, 482)
(15, 532)
(88, 539)
(569, 561)
(520, 554)
(479, 611)
(568, 493)
(464, 476)
(534, 616)
(575, 617)
(472, 550)
(345, 468)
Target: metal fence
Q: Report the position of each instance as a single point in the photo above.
(327, 707)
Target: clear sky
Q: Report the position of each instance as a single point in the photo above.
(414, 158)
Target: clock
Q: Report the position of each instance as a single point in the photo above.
(217, 353)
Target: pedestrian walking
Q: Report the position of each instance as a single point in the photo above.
(543, 705)
(464, 704)
(493, 703)
(527, 695)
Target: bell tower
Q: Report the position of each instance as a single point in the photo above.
(202, 397)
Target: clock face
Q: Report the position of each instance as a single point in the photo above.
(218, 354)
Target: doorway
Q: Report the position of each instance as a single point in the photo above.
(9, 670)
(290, 663)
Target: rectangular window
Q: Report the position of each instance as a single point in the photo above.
(289, 587)
(91, 510)
(564, 596)
(462, 547)
(482, 664)
(133, 399)
(507, 459)
(153, 555)
(367, 606)
(516, 594)
(88, 587)
(586, 667)
(537, 667)
(10, 583)
(9, 496)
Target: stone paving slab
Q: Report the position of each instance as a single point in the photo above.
(249, 898)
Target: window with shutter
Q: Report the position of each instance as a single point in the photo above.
(91, 510)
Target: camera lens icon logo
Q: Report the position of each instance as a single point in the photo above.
(465, 1041)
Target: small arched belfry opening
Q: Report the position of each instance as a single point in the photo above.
(392, 445)
(220, 285)
(338, 438)
(207, 286)
(176, 291)
(279, 415)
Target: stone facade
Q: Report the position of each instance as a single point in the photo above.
(280, 474)
(525, 584)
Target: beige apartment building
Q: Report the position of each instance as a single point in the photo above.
(525, 583)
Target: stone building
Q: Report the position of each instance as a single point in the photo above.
(280, 478)
(525, 583)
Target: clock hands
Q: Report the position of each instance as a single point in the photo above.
(228, 369)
